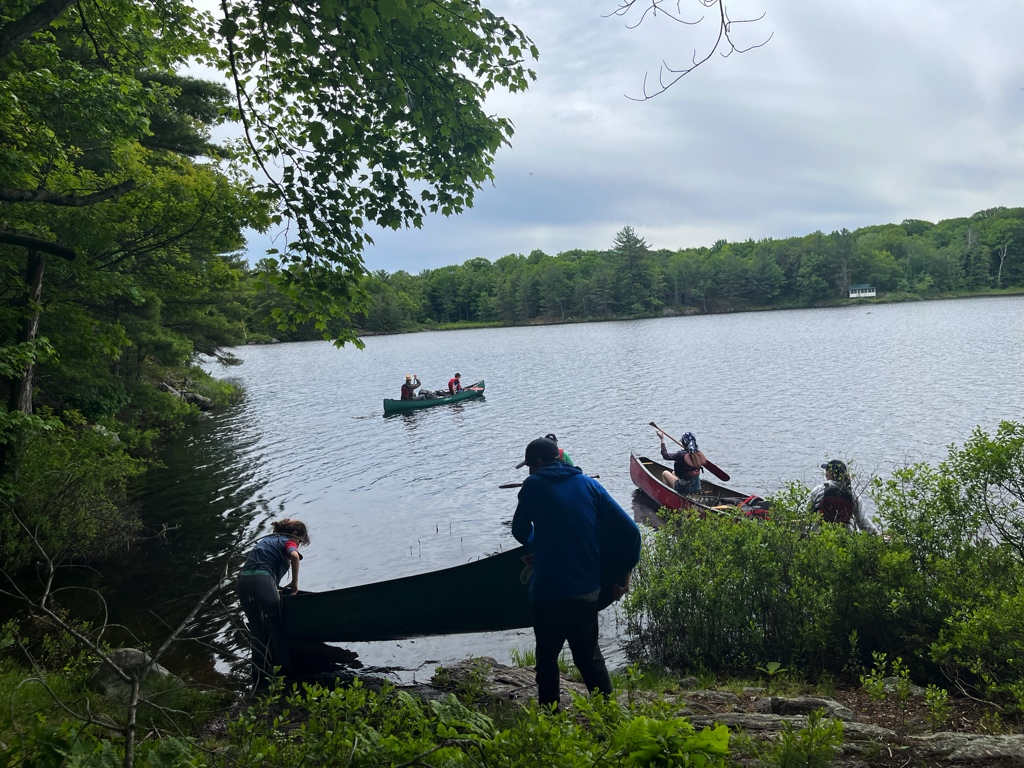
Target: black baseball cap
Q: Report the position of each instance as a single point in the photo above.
(836, 467)
(539, 451)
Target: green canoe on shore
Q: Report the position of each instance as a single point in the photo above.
(490, 594)
(401, 406)
(485, 595)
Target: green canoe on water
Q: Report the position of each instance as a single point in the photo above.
(401, 406)
(485, 595)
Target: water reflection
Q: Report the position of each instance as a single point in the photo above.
(645, 510)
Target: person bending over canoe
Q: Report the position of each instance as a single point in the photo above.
(257, 588)
(581, 539)
(836, 501)
(688, 462)
(455, 384)
(409, 388)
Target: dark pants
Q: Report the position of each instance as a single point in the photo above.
(261, 601)
(554, 622)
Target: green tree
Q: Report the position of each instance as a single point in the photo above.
(639, 280)
(767, 279)
(371, 114)
(374, 114)
(556, 289)
(812, 279)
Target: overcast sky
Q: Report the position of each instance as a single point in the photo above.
(854, 113)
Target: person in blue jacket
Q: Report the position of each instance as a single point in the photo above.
(585, 546)
(266, 564)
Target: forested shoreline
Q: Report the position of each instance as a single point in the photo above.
(915, 259)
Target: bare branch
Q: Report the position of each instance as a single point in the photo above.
(241, 98)
(723, 44)
(653, 9)
(40, 678)
(128, 728)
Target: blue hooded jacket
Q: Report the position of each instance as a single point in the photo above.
(581, 538)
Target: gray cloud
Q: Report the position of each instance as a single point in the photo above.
(853, 114)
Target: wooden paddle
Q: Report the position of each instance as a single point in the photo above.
(517, 485)
(714, 470)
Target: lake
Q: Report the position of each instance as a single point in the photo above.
(769, 396)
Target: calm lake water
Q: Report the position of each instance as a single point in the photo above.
(769, 396)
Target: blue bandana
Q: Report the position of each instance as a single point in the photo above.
(690, 442)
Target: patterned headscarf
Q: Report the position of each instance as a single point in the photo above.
(690, 442)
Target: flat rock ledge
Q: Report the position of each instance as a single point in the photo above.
(760, 717)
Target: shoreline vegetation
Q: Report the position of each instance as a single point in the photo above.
(979, 255)
(779, 643)
(721, 308)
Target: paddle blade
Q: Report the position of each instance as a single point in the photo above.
(719, 473)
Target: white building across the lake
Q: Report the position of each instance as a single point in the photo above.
(862, 291)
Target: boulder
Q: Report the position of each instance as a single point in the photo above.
(972, 748)
(131, 661)
(486, 677)
(862, 742)
(893, 683)
(767, 725)
(203, 403)
(99, 429)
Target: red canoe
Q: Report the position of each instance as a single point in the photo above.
(646, 475)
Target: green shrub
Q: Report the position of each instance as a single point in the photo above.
(734, 596)
(68, 489)
(937, 701)
(813, 746)
(219, 391)
(943, 590)
(391, 727)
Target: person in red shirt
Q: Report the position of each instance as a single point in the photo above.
(267, 563)
(455, 384)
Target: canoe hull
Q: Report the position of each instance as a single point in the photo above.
(402, 406)
(486, 595)
(646, 475)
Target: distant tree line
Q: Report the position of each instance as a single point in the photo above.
(912, 259)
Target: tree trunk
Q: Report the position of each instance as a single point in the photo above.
(21, 389)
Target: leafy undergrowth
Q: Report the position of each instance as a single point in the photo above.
(965, 715)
